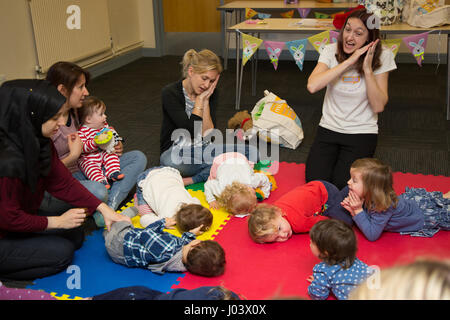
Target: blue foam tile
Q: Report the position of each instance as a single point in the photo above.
(93, 272)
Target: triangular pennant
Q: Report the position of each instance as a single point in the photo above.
(274, 49)
(319, 40)
(319, 15)
(392, 44)
(333, 36)
(303, 12)
(249, 13)
(417, 44)
(288, 14)
(264, 15)
(250, 45)
(298, 50)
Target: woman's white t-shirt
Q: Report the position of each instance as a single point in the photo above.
(346, 107)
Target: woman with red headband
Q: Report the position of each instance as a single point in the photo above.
(355, 73)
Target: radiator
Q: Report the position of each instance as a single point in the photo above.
(70, 30)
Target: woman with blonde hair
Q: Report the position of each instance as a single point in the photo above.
(189, 110)
(375, 207)
(421, 280)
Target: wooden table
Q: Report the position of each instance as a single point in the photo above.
(237, 9)
(291, 26)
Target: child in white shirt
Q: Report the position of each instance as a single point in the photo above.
(160, 194)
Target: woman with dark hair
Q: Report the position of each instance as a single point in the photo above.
(34, 243)
(71, 81)
(355, 71)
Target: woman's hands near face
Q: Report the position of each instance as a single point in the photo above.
(207, 93)
(359, 52)
(367, 64)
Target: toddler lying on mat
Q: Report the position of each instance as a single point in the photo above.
(160, 193)
(232, 183)
(159, 251)
(296, 212)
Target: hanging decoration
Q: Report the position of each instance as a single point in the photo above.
(264, 15)
(333, 36)
(392, 44)
(320, 40)
(288, 14)
(320, 15)
(417, 44)
(250, 13)
(250, 45)
(298, 50)
(274, 49)
(303, 12)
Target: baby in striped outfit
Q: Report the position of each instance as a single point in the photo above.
(96, 164)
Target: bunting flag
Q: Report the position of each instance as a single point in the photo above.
(333, 36)
(392, 44)
(417, 44)
(319, 15)
(250, 45)
(288, 14)
(249, 13)
(298, 50)
(320, 40)
(274, 49)
(303, 12)
(264, 15)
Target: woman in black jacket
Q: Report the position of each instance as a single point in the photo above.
(189, 109)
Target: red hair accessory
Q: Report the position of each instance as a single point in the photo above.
(340, 19)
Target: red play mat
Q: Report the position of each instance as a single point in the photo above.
(266, 271)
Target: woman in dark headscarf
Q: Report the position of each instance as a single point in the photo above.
(35, 244)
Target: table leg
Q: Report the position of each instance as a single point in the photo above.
(448, 77)
(238, 93)
(255, 68)
(227, 13)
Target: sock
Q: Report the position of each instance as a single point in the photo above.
(143, 208)
(115, 176)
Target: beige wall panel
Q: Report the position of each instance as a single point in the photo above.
(124, 23)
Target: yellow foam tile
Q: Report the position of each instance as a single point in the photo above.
(65, 297)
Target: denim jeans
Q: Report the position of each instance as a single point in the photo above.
(196, 161)
(142, 176)
(334, 208)
(132, 164)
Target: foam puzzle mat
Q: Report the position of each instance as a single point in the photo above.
(280, 270)
(93, 272)
(253, 270)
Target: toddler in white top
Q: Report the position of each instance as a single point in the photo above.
(161, 194)
(232, 183)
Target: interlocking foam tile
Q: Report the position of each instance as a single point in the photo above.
(266, 271)
(95, 273)
(65, 297)
(98, 274)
